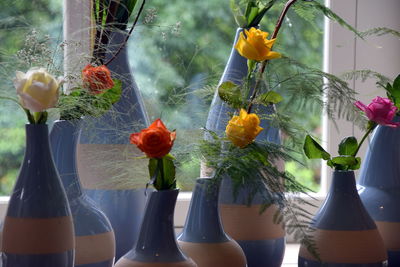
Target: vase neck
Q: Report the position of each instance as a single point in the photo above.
(236, 67)
(37, 142)
(158, 224)
(203, 223)
(343, 182)
(63, 139)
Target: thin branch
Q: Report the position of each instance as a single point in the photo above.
(264, 63)
(129, 34)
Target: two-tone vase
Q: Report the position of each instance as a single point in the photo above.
(38, 227)
(379, 187)
(107, 163)
(94, 236)
(203, 238)
(342, 234)
(262, 241)
(156, 245)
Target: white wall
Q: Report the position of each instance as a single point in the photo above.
(344, 52)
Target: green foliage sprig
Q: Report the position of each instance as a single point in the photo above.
(80, 102)
(393, 91)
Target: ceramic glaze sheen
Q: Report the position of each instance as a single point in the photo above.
(262, 241)
(343, 232)
(203, 238)
(156, 244)
(107, 165)
(38, 228)
(94, 237)
(379, 187)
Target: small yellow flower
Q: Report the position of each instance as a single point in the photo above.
(256, 46)
(243, 129)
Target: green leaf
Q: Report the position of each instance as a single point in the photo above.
(112, 95)
(270, 97)
(231, 94)
(313, 150)
(396, 83)
(162, 173)
(348, 146)
(252, 15)
(345, 163)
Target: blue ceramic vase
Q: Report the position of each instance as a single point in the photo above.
(379, 187)
(94, 237)
(107, 165)
(261, 239)
(203, 238)
(342, 231)
(156, 245)
(38, 228)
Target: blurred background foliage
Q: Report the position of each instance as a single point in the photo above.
(178, 53)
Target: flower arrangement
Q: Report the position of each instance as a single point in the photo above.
(156, 142)
(380, 111)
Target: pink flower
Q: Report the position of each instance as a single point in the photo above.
(380, 110)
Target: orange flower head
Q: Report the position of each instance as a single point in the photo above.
(155, 141)
(97, 79)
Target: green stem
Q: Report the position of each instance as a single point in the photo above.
(159, 184)
(264, 63)
(370, 129)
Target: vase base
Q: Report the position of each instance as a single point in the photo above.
(310, 263)
(214, 254)
(123, 262)
(261, 253)
(108, 263)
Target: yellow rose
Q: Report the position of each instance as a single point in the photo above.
(243, 129)
(37, 89)
(256, 46)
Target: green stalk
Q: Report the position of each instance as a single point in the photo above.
(370, 129)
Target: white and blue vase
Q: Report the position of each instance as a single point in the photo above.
(203, 238)
(107, 165)
(342, 232)
(379, 187)
(94, 236)
(156, 245)
(262, 241)
(38, 228)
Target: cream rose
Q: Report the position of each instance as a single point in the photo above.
(37, 89)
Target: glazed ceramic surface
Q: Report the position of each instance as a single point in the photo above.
(156, 244)
(108, 166)
(262, 241)
(343, 232)
(94, 237)
(38, 228)
(379, 187)
(203, 238)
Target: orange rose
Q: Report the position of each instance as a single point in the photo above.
(156, 141)
(97, 79)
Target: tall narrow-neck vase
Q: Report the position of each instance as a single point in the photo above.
(342, 232)
(262, 240)
(38, 228)
(379, 187)
(203, 238)
(94, 237)
(156, 244)
(108, 166)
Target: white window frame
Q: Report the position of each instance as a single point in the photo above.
(342, 52)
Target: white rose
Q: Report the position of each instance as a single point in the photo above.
(37, 89)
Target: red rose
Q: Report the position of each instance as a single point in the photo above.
(156, 141)
(97, 79)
